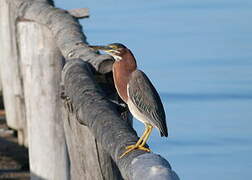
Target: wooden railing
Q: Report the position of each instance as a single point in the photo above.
(57, 95)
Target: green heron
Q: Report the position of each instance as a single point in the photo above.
(136, 90)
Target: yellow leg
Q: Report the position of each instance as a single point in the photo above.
(147, 136)
(140, 139)
(140, 143)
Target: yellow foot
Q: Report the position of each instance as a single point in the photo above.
(132, 147)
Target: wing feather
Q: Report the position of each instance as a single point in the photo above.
(145, 97)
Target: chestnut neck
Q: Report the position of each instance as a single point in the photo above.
(122, 71)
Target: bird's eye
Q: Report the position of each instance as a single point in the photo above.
(112, 46)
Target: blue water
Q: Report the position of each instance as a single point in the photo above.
(198, 55)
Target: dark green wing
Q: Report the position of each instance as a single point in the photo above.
(145, 97)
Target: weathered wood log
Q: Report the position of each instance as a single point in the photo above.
(66, 30)
(88, 160)
(93, 109)
(41, 64)
(10, 72)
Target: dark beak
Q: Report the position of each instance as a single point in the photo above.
(104, 48)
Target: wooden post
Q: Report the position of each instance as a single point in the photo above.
(41, 63)
(10, 72)
(87, 157)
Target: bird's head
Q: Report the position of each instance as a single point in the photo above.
(115, 50)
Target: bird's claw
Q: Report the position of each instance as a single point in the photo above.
(133, 147)
(138, 147)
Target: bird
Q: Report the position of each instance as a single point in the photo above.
(136, 90)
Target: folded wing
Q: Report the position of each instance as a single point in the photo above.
(146, 99)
